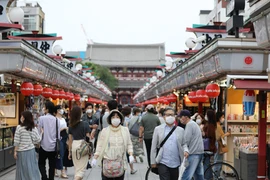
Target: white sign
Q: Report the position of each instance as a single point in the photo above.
(44, 46)
(209, 37)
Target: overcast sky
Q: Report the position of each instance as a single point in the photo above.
(123, 21)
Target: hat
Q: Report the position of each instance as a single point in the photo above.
(150, 106)
(112, 112)
(184, 113)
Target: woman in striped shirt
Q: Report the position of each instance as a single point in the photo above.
(26, 136)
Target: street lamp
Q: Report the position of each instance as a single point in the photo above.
(16, 15)
(57, 49)
(190, 43)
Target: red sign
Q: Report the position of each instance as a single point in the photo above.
(248, 60)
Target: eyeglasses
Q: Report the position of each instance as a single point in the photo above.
(169, 114)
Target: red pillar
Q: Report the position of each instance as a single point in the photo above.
(13, 86)
(70, 105)
(262, 135)
(200, 107)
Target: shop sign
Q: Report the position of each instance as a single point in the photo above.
(51, 76)
(209, 37)
(182, 80)
(33, 69)
(195, 73)
(43, 46)
(209, 67)
(240, 62)
(235, 5)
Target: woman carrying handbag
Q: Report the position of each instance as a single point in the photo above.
(112, 145)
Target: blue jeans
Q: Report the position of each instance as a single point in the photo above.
(206, 163)
(195, 167)
(63, 146)
(218, 158)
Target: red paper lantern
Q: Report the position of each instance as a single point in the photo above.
(38, 89)
(77, 97)
(192, 96)
(212, 90)
(67, 96)
(71, 96)
(201, 96)
(27, 88)
(55, 94)
(62, 94)
(47, 92)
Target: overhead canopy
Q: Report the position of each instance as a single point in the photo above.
(249, 82)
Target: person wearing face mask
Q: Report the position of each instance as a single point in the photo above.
(113, 143)
(26, 136)
(169, 157)
(64, 136)
(89, 117)
(199, 119)
(220, 134)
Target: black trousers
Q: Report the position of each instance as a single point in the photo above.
(148, 144)
(43, 156)
(166, 173)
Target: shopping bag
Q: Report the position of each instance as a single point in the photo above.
(224, 143)
(182, 169)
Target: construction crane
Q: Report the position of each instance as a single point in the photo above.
(89, 41)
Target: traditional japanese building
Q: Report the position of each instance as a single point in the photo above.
(131, 64)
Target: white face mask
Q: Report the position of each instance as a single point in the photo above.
(222, 120)
(199, 121)
(206, 118)
(89, 111)
(170, 119)
(43, 111)
(61, 111)
(22, 119)
(115, 121)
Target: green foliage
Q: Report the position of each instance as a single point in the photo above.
(103, 74)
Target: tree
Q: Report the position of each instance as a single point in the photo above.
(103, 74)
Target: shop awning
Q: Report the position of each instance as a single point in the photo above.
(249, 82)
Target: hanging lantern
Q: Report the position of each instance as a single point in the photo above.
(212, 90)
(38, 89)
(27, 88)
(201, 96)
(67, 96)
(71, 96)
(47, 92)
(192, 97)
(249, 102)
(62, 94)
(55, 94)
(77, 97)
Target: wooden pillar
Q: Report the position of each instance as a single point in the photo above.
(13, 86)
(262, 133)
(200, 107)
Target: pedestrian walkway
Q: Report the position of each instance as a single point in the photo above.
(95, 173)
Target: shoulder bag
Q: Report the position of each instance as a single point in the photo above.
(155, 170)
(134, 130)
(57, 145)
(113, 168)
(86, 148)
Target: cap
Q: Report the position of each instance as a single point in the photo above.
(185, 113)
(150, 106)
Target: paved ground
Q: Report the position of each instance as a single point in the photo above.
(94, 173)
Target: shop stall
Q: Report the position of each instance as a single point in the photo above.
(28, 77)
(233, 63)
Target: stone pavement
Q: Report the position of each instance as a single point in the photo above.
(93, 173)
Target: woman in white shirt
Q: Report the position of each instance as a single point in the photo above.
(26, 136)
(64, 136)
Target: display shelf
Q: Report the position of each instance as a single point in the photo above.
(244, 121)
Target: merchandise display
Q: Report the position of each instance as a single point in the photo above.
(248, 144)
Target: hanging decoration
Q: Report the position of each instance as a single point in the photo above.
(192, 96)
(71, 96)
(249, 102)
(38, 89)
(77, 97)
(27, 88)
(67, 96)
(212, 90)
(55, 94)
(62, 94)
(201, 96)
(47, 92)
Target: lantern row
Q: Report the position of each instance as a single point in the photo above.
(211, 91)
(28, 89)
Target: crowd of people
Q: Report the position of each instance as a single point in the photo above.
(117, 134)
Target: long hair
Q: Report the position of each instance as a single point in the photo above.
(210, 129)
(75, 116)
(28, 122)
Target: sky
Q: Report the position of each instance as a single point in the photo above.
(123, 21)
